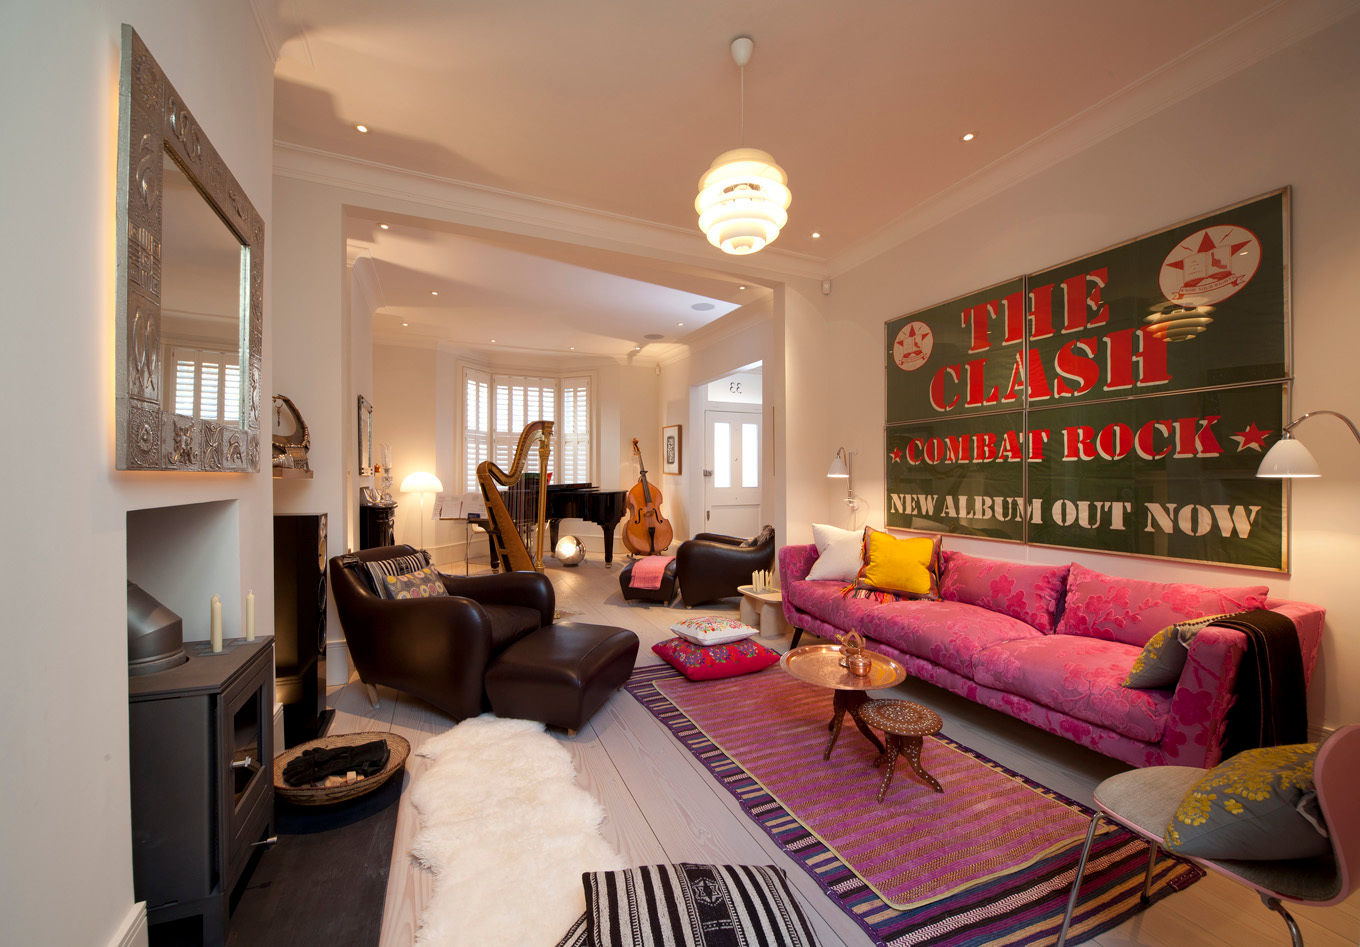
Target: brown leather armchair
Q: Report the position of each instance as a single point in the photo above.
(711, 566)
(436, 649)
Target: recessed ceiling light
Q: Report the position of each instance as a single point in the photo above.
(405, 324)
(702, 307)
(816, 235)
(384, 226)
(493, 340)
(741, 287)
(361, 129)
(637, 348)
(969, 136)
(571, 348)
(434, 292)
(680, 325)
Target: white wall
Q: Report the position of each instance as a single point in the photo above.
(65, 824)
(1289, 120)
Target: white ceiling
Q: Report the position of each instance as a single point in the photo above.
(619, 106)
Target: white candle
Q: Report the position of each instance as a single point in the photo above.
(215, 628)
(250, 615)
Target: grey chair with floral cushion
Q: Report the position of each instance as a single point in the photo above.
(1321, 870)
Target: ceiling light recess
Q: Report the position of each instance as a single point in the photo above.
(361, 129)
(744, 196)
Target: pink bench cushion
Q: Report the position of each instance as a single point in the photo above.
(949, 634)
(1031, 593)
(1133, 610)
(1079, 677)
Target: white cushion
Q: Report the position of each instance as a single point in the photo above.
(840, 552)
(710, 630)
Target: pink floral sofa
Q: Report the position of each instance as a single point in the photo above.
(1051, 645)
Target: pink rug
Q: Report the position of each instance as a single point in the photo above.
(835, 798)
(988, 862)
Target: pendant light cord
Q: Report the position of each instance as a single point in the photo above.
(741, 137)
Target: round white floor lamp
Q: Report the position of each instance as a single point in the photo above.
(422, 483)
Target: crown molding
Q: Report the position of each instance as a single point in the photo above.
(367, 281)
(267, 21)
(1240, 46)
(498, 209)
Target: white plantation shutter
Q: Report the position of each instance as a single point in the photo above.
(574, 431)
(497, 408)
(203, 383)
(477, 425)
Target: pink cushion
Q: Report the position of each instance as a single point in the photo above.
(1133, 610)
(723, 660)
(949, 634)
(1021, 590)
(1079, 677)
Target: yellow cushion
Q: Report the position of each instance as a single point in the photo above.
(907, 565)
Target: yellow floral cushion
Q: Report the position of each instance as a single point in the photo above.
(908, 565)
(1249, 808)
(1163, 657)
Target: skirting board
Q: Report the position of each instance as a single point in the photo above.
(337, 662)
(133, 931)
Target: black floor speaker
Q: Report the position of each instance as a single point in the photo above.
(300, 624)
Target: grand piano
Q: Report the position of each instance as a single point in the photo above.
(580, 501)
(585, 501)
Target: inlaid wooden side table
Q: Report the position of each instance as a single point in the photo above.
(904, 724)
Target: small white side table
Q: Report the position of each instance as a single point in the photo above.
(763, 610)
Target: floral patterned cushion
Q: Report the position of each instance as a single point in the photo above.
(1079, 677)
(1031, 593)
(711, 630)
(1133, 610)
(1163, 657)
(423, 584)
(1250, 808)
(724, 660)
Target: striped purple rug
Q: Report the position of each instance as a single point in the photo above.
(989, 861)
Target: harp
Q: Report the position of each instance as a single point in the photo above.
(523, 508)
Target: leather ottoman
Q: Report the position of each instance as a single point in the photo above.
(665, 595)
(561, 674)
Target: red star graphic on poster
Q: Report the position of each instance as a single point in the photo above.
(1252, 437)
(896, 454)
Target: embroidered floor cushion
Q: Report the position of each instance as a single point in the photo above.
(1079, 677)
(709, 630)
(1133, 610)
(700, 663)
(1029, 592)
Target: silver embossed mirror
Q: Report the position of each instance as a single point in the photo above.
(190, 287)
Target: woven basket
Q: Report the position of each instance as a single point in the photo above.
(316, 795)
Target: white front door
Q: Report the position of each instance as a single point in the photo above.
(732, 472)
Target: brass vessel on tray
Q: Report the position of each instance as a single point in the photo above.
(854, 658)
(821, 664)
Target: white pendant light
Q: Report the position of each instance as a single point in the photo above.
(744, 197)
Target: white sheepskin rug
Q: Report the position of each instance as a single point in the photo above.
(507, 833)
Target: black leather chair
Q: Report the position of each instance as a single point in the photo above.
(437, 649)
(711, 566)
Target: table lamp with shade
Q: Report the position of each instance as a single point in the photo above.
(422, 483)
(1289, 458)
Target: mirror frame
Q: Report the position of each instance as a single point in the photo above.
(365, 437)
(153, 119)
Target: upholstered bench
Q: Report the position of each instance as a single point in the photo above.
(665, 594)
(562, 673)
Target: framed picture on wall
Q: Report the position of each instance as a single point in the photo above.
(671, 450)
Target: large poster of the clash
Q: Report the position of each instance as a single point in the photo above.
(1119, 402)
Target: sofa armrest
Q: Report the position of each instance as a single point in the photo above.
(717, 538)
(795, 562)
(1203, 696)
(530, 589)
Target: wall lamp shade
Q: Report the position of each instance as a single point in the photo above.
(743, 201)
(1289, 458)
(421, 482)
(839, 467)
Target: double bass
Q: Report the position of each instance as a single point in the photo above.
(647, 531)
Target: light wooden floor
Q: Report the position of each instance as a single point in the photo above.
(662, 806)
